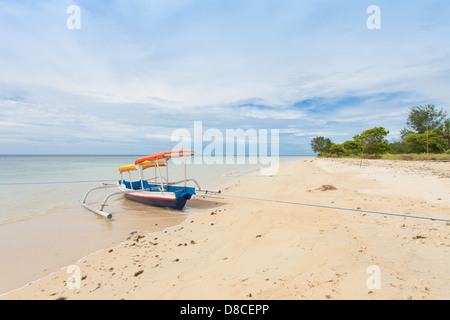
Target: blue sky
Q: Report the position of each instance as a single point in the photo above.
(138, 70)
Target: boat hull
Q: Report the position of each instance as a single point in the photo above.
(177, 203)
(173, 196)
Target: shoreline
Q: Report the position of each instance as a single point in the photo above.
(247, 250)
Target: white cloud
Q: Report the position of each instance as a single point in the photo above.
(271, 113)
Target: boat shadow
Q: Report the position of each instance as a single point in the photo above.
(203, 204)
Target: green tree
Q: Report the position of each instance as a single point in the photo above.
(447, 132)
(373, 141)
(424, 118)
(337, 149)
(417, 142)
(398, 147)
(351, 147)
(320, 145)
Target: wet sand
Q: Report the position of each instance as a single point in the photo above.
(37, 246)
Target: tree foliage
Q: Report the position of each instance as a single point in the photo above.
(427, 130)
(417, 142)
(320, 145)
(373, 141)
(351, 147)
(423, 118)
(447, 133)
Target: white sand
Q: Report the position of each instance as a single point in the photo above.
(251, 249)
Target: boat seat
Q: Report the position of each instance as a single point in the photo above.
(135, 185)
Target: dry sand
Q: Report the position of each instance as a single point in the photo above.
(253, 249)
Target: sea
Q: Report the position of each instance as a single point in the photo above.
(43, 226)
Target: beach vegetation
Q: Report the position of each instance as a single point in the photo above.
(425, 137)
(427, 130)
(424, 118)
(447, 133)
(373, 141)
(369, 142)
(399, 147)
(432, 141)
(337, 149)
(351, 147)
(416, 156)
(321, 145)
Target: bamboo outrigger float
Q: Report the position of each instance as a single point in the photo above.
(156, 191)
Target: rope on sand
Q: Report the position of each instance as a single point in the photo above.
(335, 208)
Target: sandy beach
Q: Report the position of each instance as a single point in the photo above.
(301, 244)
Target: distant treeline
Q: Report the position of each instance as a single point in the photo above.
(427, 131)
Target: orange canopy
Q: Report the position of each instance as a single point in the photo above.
(165, 155)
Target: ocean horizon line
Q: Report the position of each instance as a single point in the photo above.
(134, 155)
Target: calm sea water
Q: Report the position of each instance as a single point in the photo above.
(43, 227)
(36, 185)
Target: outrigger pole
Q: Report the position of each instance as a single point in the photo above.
(103, 204)
(100, 212)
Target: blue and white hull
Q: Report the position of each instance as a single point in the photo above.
(169, 202)
(173, 197)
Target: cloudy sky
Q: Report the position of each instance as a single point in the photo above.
(137, 70)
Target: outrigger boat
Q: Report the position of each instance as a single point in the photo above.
(156, 191)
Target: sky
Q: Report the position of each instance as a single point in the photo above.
(136, 71)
